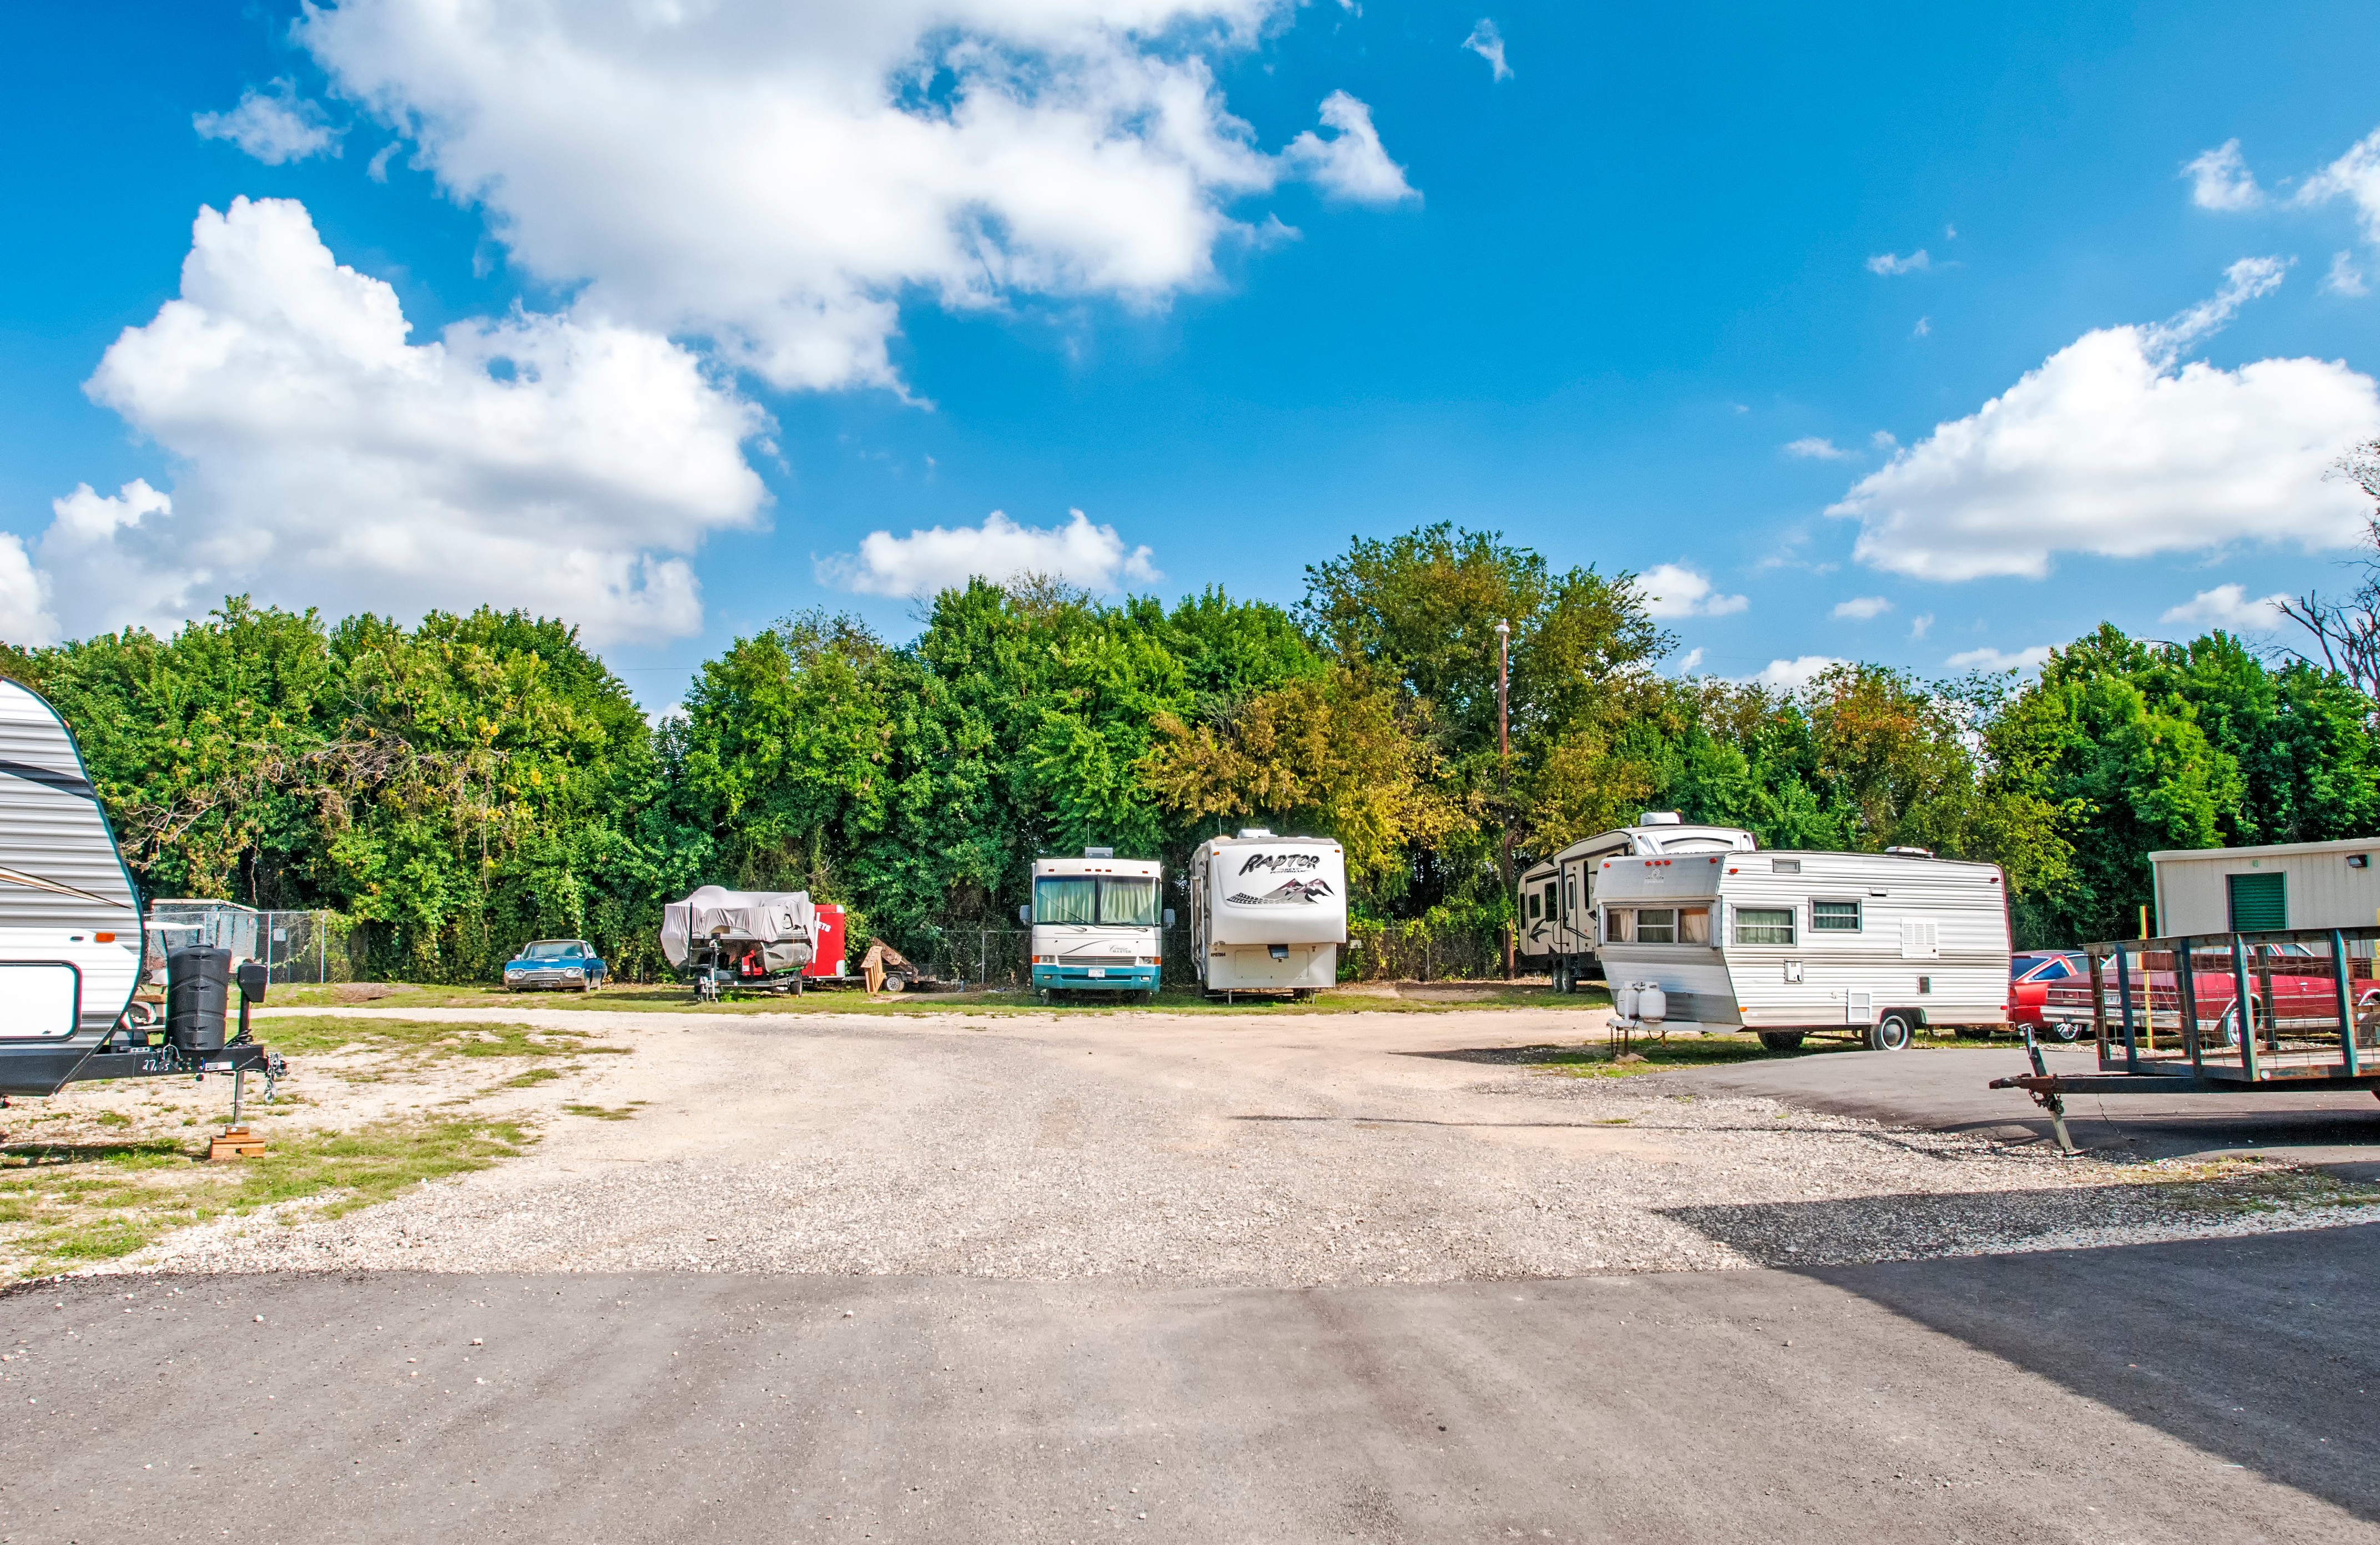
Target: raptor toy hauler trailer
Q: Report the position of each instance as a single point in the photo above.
(1870, 945)
(71, 934)
(1097, 924)
(1555, 905)
(1268, 914)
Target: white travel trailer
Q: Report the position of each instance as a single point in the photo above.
(1867, 945)
(1097, 924)
(1555, 908)
(1268, 914)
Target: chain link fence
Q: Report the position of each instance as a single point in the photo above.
(292, 947)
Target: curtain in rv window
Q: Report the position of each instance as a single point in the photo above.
(1763, 925)
(1066, 900)
(1128, 903)
(1660, 925)
(1834, 917)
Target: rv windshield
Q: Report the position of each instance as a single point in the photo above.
(1129, 903)
(1083, 900)
(1067, 900)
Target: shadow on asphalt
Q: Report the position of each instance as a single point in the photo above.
(2251, 1349)
(1796, 1234)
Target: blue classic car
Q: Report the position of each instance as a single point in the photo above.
(570, 962)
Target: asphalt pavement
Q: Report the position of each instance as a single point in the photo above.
(2202, 1391)
(1947, 1089)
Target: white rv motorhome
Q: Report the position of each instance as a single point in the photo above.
(1097, 924)
(1268, 914)
(1555, 908)
(1867, 944)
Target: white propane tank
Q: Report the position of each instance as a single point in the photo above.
(1623, 1001)
(1652, 1004)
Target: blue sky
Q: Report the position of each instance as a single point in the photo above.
(1608, 291)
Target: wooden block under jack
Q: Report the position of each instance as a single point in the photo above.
(237, 1143)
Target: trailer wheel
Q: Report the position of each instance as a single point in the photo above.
(1782, 1040)
(1891, 1033)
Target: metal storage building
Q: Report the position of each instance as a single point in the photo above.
(2297, 885)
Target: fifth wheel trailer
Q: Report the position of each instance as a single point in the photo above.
(1555, 906)
(1874, 945)
(1268, 914)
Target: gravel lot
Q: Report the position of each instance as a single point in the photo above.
(1151, 1150)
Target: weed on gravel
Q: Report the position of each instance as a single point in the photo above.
(64, 1204)
(421, 1038)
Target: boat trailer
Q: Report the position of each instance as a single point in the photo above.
(2166, 1017)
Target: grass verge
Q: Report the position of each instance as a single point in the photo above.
(295, 1036)
(1351, 998)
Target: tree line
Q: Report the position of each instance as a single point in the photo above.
(459, 786)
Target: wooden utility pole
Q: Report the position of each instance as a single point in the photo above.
(1504, 776)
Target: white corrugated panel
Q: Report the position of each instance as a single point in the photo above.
(63, 884)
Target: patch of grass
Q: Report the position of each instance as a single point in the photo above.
(601, 1112)
(70, 1204)
(298, 1036)
(533, 1077)
(374, 1162)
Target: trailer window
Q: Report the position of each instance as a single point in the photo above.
(1067, 899)
(1763, 925)
(1128, 903)
(1553, 898)
(1657, 925)
(1533, 899)
(1834, 917)
(1694, 925)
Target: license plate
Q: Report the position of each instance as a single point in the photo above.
(1099, 970)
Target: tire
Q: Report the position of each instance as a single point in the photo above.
(1782, 1040)
(1891, 1033)
(2066, 1030)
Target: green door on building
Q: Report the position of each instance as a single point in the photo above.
(2258, 902)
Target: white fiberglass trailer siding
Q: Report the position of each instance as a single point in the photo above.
(1792, 943)
(1095, 923)
(1556, 904)
(1268, 914)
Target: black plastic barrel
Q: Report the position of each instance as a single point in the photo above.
(196, 988)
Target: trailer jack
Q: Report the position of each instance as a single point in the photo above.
(2044, 1089)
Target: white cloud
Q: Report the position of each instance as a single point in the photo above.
(776, 176)
(1889, 265)
(538, 461)
(1993, 660)
(1862, 608)
(25, 616)
(1816, 449)
(2354, 177)
(1920, 627)
(1351, 163)
(2345, 277)
(1675, 591)
(274, 128)
(1694, 658)
(1787, 674)
(924, 563)
(2219, 178)
(1924, 325)
(2228, 607)
(1885, 440)
(1489, 44)
(2109, 448)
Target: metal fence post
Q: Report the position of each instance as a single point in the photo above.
(2124, 997)
(2344, 991)
(2243, 1014)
